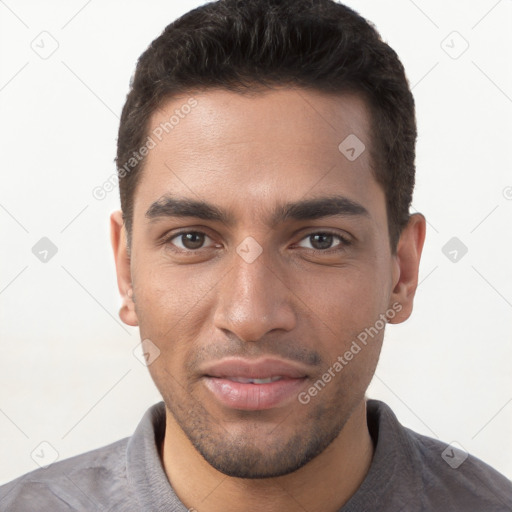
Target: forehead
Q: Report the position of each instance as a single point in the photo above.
(250, 152)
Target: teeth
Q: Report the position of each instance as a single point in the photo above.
(255, 381)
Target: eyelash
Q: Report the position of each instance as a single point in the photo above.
(344, 242)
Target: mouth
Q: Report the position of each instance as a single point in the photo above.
(254, 385)
(243, 380)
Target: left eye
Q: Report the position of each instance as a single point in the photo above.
(322, 241)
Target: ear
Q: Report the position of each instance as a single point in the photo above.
(407, 262)
(122, 259)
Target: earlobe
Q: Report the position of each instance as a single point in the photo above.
(407, 261)
(127, 312)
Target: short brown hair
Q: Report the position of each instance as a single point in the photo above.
(239, 45)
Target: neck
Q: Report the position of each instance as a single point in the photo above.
(324, 484)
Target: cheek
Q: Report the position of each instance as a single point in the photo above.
(344, 312)
(166, 293)
(172, 309)
(349, 296)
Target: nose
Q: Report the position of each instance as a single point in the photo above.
(254, 299)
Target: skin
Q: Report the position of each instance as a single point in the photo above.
(245, 155)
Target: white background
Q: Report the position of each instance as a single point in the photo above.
(68, 373)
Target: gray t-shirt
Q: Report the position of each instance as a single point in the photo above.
(409, 472)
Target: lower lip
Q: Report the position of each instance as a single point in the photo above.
(253, 397)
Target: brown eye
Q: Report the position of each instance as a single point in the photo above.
(323, 241)
(190, 240)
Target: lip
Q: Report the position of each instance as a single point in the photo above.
(249, 396)
(253, 397)
(254, 369)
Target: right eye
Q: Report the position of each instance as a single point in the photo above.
(189, 241)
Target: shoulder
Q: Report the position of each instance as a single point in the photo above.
(77, 483)
(438, 475)
(455, 480)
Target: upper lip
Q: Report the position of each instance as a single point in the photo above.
(254, 369)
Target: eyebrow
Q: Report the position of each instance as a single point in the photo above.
(307, 209)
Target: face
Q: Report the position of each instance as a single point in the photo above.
(280, 269)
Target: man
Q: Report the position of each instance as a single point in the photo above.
(266, 169)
